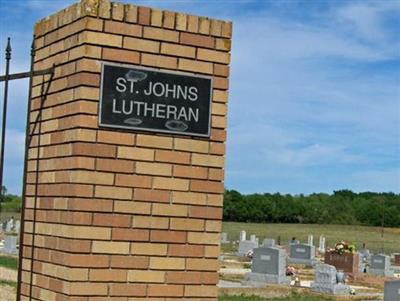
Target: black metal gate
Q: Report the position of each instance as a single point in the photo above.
(6, 78)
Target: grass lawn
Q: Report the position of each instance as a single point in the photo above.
(8, 282)
(9, 262)
(294, 297)
(357, 235)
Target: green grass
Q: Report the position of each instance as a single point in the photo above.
(357, 235)
(8, 282)
(294, 297)
(9, 262)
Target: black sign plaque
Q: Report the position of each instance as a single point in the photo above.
(148, 99)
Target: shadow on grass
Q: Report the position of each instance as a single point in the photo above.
(9, 262)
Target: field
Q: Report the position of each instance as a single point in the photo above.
(357, 235)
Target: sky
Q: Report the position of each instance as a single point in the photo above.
(314, 101)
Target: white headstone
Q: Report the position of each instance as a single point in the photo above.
(310, 240)
(242, 235)
(17, 226)
(253, 237)
(10, 225)
(224, 238)
(321, 247)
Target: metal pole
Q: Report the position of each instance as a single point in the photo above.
(383, 226)
(3, 129)
(27, 132)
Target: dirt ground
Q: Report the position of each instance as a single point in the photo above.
(7, 293)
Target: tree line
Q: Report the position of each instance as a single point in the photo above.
(341, 207)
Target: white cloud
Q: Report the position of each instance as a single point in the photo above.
(366, 18)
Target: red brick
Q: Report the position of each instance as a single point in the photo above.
(133, 181)
(168, 236)
(95, 261)
(116, 220)
(183, 277)
(197, 40)
(172, 157)
(206, 186)
(123, 28)
(190, 172)
(151, 195)
(114, 165)
(130, 234)
(128, 289)
(144, 15)
(185, 250)
(205, 212)
(120, 55)
(162, 290)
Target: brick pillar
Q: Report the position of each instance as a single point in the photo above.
(118, 214)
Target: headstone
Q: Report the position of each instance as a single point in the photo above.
(397, 259)
(17, 226)
(253, 237)
(380, 265)
(321, 247)
(364, 259)
(10, 244)
(242, 235)
(245, 246)
(9, 225)
(310, 240)
(224, 238)
(268, 242)
(326, 281)
(302, 254)
(268, 266)
(347, 262)
(392, 290)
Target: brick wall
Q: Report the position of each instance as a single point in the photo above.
(122, 215)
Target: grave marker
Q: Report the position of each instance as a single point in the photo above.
(268, 242)
(321, 247)
(310, 240)
(347, 262)
(302, 254)
(224, 238)
(245, 246)
(392, 290)
(326, 281)
(10, 244)
(242, 235)
(380, 265)
(268, 266)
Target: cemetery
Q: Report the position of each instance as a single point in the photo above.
(124, 195)
(268, 269)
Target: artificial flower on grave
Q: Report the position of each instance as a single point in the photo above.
(344, 247)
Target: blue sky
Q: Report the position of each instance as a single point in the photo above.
(314, 93)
